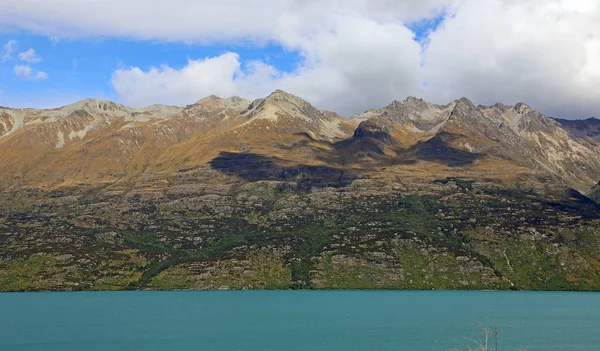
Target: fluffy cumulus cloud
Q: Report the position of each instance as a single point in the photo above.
(192, 20)
(214, 75)
(7, 50)
(30, 56)
(356, 54)
(29, 73)
(546, 53)
(343, 70)
(346, 69)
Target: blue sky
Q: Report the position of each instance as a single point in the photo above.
(422, 28)
(82, 68)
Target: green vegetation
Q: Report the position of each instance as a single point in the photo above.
(27, 274)
(461, 183)
(263, 271)
(258, 236)
(258, 220)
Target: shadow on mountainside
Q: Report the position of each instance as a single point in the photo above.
(438, 149)
(254, 167)
(575, 202)
(369, 140)
(367, 151)
(384, 148)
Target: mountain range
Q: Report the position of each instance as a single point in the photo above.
(230, 193)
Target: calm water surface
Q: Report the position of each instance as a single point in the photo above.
(290, 321)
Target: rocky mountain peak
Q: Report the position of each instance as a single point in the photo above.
(463, 107)
(235, 102)
(411, 106)
(522, 108)
(285, 97)
(211, 100)
(463, 101)
(286, 113)
(414, 100)
(416, 103)
(282, 102)
(94, 105)
(214, 103)
(279, 94)
(411, 111)
(502, 107)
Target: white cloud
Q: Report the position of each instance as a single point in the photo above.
(7, 50)
(168, 85)
(354, 63)
(29, 73)
(191, 20)
(344, 69)
(40, 75)
(357, 54)
(30, 56)
(546, 53)
(23, 70)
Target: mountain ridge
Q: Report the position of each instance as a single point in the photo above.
(408, 98)
(273, 193)
(513, 132)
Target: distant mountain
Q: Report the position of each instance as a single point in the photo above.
(100, 141)
(275, 193)
(586, 129)
(103, 141)
(418, 129)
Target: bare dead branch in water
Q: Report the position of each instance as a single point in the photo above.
(484, 345)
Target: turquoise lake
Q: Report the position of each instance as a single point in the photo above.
(295, 320)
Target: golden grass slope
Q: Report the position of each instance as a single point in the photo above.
(96, 142)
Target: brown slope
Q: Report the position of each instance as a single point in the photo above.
(89, 141)
(388, 131)
(461, 133)
(543, 143)
(279, 125)
(94, 142)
